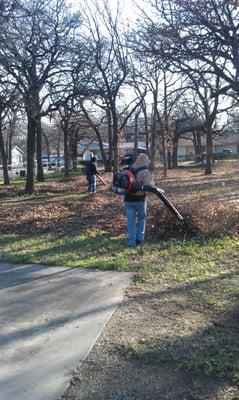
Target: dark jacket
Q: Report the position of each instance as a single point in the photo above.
(91, 169)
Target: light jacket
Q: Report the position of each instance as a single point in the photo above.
(143, 176)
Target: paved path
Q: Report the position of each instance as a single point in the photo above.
(49, 319)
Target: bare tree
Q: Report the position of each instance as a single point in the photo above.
(110, 53)
(8, 100)
(199, 40)
(203, 30)
(33, 51)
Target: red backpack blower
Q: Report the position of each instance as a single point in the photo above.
(125, 182)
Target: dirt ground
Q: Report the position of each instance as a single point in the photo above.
(110, 373)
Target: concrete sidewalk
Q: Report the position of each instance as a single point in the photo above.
(49, 319)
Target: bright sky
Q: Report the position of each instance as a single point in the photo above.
(128, 10)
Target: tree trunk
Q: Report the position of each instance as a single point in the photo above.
(136, 131)
(197, 142)
(6, 180)
(115, 142)
(146, 126)
(167, 136)
(208, 166)
(169, 159)
(99, 138)
(31, 138)
(175, 152)
(58, 150)
(109, 162)
(153, 135)
(74, 150)
(66, 153)
(11, 133)
(48, 151)
(40, 172)
(164, 153)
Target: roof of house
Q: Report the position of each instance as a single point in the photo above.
(92, 146)
(95, 145)
(130, 145)
(18, 149)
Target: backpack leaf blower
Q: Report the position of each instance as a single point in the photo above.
(124, 182)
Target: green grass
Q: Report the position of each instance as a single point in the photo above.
(172, 261)
(91, 250)
(49, 177)
(57, 175)
(205, 274)
(35, 198)
(211, 352)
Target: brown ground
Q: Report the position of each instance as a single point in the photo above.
(204, 201)
(109, 372)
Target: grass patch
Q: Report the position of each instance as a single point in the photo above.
(58, 176)
(197, 279)
(49, 177)
(194, 261)
(39, 197)
(212, 352)
(93, 249)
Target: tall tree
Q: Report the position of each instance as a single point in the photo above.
(8, 100)
(203, 30)
(111, 58)
(33, 51)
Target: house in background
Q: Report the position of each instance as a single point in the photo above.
(88, 150)
(17, 157)
(230, 142)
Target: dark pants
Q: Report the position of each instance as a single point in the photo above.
(91, 183)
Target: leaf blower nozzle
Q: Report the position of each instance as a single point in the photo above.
(161, 194)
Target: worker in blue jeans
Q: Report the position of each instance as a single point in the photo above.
(136, 203)
(91, 172)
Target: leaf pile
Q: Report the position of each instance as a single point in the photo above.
(64, 213)
(104, 211)
(201, 218)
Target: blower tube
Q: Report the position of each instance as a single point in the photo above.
(160, 193)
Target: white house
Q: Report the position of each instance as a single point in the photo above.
(17, 157)
(93, 149)
(231, 142)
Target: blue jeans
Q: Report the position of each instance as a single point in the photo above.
(91, 183)
(136, 213)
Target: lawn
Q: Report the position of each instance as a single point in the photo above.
(180, 315)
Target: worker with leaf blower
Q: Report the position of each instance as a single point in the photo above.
(91, 174)
(133, 182)
(135, 202)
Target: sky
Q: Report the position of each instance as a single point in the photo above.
(128, 10)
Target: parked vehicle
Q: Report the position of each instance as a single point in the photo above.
(222, 155)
